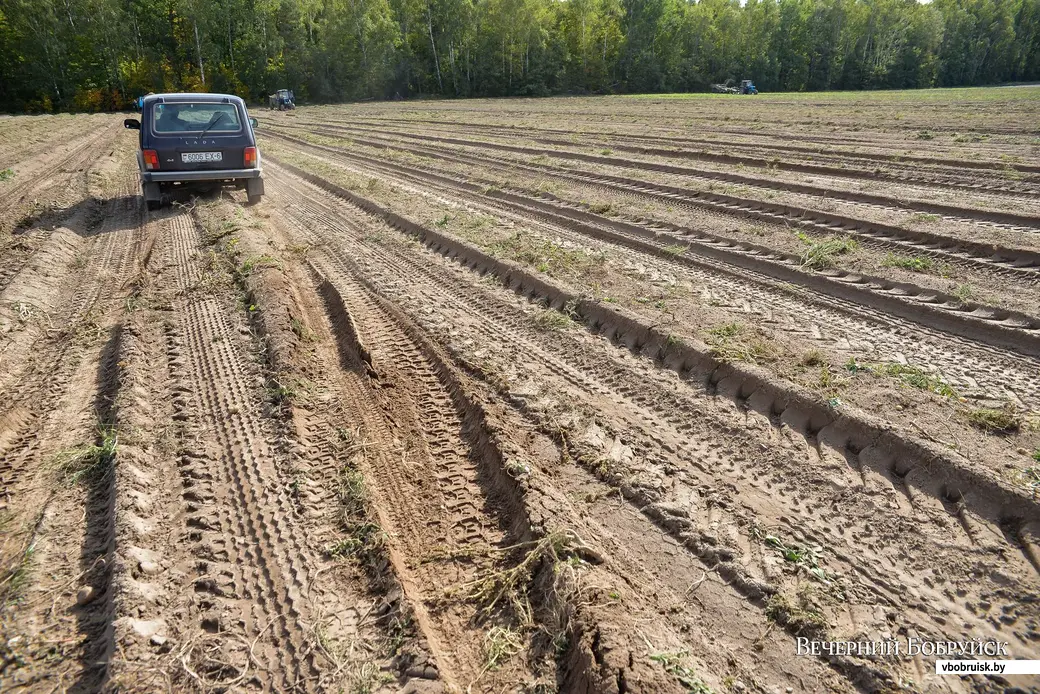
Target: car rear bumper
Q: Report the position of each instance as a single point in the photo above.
(206, 175)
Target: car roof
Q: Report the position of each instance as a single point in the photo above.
(192, 98)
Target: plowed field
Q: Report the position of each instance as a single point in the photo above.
(579, 395)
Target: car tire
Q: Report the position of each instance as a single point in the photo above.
(153, 205)
(253, 199)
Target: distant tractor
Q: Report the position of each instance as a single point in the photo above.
(746, 87)
(283, 100)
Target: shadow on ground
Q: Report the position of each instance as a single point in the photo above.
(92, 216)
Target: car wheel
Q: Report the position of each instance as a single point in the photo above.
(154, 205)
(253, 199)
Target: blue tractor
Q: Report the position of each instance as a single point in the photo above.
(283, 100)
(746, 87)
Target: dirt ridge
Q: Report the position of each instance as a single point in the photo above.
(990, 497)
(1008, 220)
(997, 327)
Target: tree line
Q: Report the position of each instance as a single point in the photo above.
(93, 55)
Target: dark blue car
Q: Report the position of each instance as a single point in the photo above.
(201, 140)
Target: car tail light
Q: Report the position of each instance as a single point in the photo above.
(250, 158)
(151, 159)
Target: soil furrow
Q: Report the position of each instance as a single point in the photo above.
(58, 487)
(816, 152)
(995, 376)
(602, 317)
(902, 298)
(605, 394)
(577, 671)
(27, 187)
(1016, 263)
(1001, 219)
(40, 377)
(625, 384)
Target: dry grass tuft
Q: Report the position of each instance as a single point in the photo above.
(1005, 420)
(737, 342)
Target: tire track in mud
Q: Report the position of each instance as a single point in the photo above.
(451, 249)
(217, 582)
(975, 368)
(988, 218)
(243, 519)
(500, 320)
(340, 265)
(583, 661)
(311, 346)
(596, 654)
(998, 327)
(431, 461)
(441, 523)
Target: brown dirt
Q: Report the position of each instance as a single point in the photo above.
(444, 418)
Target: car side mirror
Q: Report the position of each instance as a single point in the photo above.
(132, 124)
(253, 122)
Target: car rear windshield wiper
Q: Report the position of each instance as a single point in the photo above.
(214, 121)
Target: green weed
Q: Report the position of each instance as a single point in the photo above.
(964, 292)
(301, 331)
(822, 254)
(911, 263)
(281, 393)
(547, 256)
(813, 357)
(910, 375)
(363, 536)
(807, 558)
(925, 218)
(256, 262)
(673, 664)
(6, 174)
(552, 320)
(89, 464)
(997, 421)
(551, 187)
(18, 576)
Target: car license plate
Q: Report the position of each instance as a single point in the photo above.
(199, 157)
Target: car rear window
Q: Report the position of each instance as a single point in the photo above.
(195, 117)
